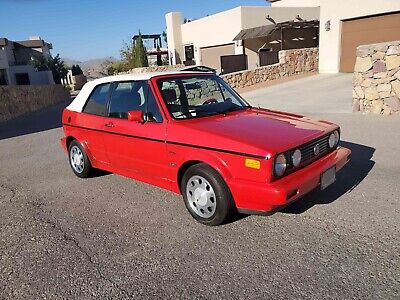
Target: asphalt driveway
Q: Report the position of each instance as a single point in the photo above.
(321, 93)
(113, 238)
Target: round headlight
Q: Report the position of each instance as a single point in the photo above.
(296, 158)
(280, 165)
(332, 140)
(337, 136)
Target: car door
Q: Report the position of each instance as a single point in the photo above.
(92, 121)
(133, 146)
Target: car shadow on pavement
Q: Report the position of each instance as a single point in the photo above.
(41, 120)
(348, 178)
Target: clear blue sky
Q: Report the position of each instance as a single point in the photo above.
(85, 29)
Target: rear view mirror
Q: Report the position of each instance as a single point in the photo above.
(136, 116)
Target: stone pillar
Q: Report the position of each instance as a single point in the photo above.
(376, 82)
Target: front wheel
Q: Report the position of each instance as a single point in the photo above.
(78, 160)
(206, 195)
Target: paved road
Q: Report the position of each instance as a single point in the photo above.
(113, 238)
(324, 93)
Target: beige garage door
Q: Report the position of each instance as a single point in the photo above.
(364, 31)
(211, 56)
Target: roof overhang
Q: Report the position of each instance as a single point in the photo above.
(268, 30)
(256, 32)
(31, 43)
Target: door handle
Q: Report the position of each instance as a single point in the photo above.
(109, 125)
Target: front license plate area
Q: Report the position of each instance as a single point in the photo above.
(328, 177)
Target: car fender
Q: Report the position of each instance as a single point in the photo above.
(211, 159)
(76, 135)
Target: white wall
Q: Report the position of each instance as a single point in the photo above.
(174, 21)
(41, 78)
(299, 3)
(4, 62)
(3, 59)
(218, 29)
(256, 16)
(335, 12)
(222, 28)
(8, 52)
(35, 78)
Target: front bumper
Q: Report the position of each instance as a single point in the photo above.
(265, 199)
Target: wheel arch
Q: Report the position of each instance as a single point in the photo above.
(183, 168)
(71, 138)
(213, 162)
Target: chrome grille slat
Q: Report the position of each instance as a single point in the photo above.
(307, 150)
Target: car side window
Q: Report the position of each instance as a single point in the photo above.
(153, 111)
(133, 95)
(97, 102)
(126, 96)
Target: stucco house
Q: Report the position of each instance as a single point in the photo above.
(15, 62)
(206, 40)
(344, 25)
(347, 24)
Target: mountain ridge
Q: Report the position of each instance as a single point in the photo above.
(92, 68)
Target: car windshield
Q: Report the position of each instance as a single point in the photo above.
(198, 96)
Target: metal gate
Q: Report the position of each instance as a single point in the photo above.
(233, 63)
(268, 58)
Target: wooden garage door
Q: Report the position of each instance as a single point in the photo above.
(211, 56)
(364, 31)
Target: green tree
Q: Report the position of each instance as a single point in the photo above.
(54, 64)
(117, 67)
(76, 70)
(165, 37)
(132, 56)
(127, 57)
(140, 53)
(57, 67)
(40, 63)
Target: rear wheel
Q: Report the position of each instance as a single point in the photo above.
(206, 195)
(78, 160)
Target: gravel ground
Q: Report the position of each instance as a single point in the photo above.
(113, 238)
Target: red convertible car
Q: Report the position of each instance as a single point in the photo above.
(192, 134)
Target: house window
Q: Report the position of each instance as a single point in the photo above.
(3, 77)
(189, 52)
(22, 79)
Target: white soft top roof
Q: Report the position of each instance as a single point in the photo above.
(80, 100)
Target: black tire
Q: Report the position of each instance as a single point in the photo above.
(225, 207)
(87, 168)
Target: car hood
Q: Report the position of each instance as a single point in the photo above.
(253, 131)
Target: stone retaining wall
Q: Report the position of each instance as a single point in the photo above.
(291, 62)
(20, 99)
(376, 83)
(153, 69)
